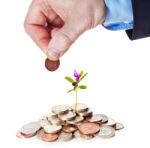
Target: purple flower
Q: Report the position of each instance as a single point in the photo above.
(77, 75)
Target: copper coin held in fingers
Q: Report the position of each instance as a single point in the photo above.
(51, 65)
(89, 128)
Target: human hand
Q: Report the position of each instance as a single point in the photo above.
(66, 20)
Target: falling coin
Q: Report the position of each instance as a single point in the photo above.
(52, 65)
(95, 118)
(60, 109)
(30, 128)
(65, 136)
(69, 116)
(111, 122)
(69, 128)
(77, 120)
(119, 126)
(89, 128)
(106, 132)
(49, 137)
(52, 129)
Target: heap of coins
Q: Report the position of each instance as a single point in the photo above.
(64, 124)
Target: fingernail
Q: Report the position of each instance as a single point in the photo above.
(54, 53)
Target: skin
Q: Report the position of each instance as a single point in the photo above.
(54, 25)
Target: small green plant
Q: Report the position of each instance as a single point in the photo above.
(78, 77)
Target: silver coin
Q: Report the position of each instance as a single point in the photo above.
(104, 119)
(78, 135)
(40, 133)
(81, 107)
(106, 132)
(87, 113)
(111, 122)
(64, 136)
(30, 128)
(54, 120)
(60, 109)
(44, 122)
(69, 116)
(51, 115)
(95, 118)
(52, 129)
(119, 126)
(77, 120)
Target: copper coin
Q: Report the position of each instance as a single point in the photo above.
(49, 137)
(69, 128)
(51, 65)
(19, 135)
(89, 128)
(28, 135)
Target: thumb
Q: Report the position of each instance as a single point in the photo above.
(63, 39)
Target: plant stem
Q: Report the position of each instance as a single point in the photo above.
(76, 101)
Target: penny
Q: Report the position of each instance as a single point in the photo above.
(119, 126)
(49, 137)
(89, 128)
(60, 109)
(52, 128)
(19, 135)
(69, 116)
(69, 128)
(30, 128)
(52, 65)
(106, 132)
(95, 118)
(65, 136)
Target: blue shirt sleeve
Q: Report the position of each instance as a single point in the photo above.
(119, 15)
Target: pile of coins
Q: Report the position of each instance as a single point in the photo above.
(64, 124)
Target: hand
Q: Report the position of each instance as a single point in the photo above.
(55, 24)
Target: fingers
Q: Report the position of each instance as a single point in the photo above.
(63, 38)
(35, 25)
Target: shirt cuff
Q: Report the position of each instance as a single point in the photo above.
(119, 15)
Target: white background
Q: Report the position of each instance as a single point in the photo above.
(118, 81)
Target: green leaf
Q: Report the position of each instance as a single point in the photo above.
(83, 87)
(69, 79)
(70, 90)
(83, 77)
